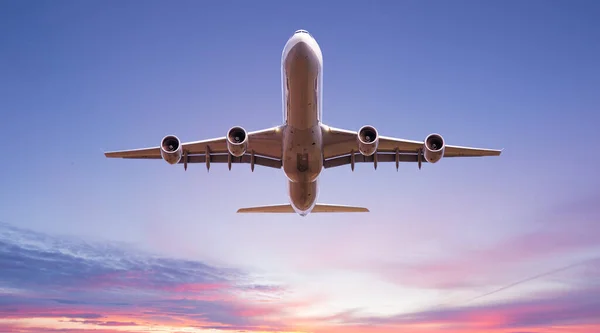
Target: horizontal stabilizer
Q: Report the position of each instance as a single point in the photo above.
(285, 208)
(325, 208)
(319, 208)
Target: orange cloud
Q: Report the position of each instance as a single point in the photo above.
(50, 290)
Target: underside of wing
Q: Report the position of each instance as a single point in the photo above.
(457, 151)
(260, 147)
(149, 153)
(342, 147)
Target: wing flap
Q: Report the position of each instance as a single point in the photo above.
(360, 158)
(405, 157)
(224, 158)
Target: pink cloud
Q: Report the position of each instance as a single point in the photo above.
(173, 294)
(566, 232)
(196, 287)
(577, 311)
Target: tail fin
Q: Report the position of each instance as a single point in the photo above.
(319, 208)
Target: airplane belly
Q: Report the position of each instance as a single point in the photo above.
(302, 154)
(302, 70)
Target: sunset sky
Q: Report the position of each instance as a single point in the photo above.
(507, 244)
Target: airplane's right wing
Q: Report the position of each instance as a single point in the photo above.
(342, 147)
(263, 148)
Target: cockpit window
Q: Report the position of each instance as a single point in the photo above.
(301, 31)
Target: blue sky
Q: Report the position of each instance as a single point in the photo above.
(81, 78)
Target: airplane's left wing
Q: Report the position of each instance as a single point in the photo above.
(261, 147)
(342, 147)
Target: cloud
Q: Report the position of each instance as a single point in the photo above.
(104, 285)
(100, 267)
(580, 307)
(106, 323)
(563, 233)
(575, 307)
(53, 284)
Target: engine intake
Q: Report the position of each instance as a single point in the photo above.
(237, 141)
(368, 140)
(434, 147)
(170, 149)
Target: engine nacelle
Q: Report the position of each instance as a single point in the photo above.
(237, 141)
(434, 147)
(170, 149)
(368, 140)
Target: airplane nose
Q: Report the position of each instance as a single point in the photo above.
(302, 56)
(301, 49)
(302, 31)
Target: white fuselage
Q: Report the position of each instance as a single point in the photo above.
(302, 87)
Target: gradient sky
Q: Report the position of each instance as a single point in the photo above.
(500, 244)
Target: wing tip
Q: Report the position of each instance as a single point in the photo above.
(112, 154)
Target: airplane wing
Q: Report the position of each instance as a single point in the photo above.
(340, 147)
(264, 148)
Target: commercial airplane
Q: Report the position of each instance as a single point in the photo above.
(303, 145)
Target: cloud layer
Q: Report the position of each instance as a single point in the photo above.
(104, 285)
(52, 284)
(558, 237)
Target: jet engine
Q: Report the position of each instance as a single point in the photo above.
(368, 140)
(170, 149)
(434, 147)
(237, 141)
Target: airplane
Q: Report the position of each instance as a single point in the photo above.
(302, 146)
